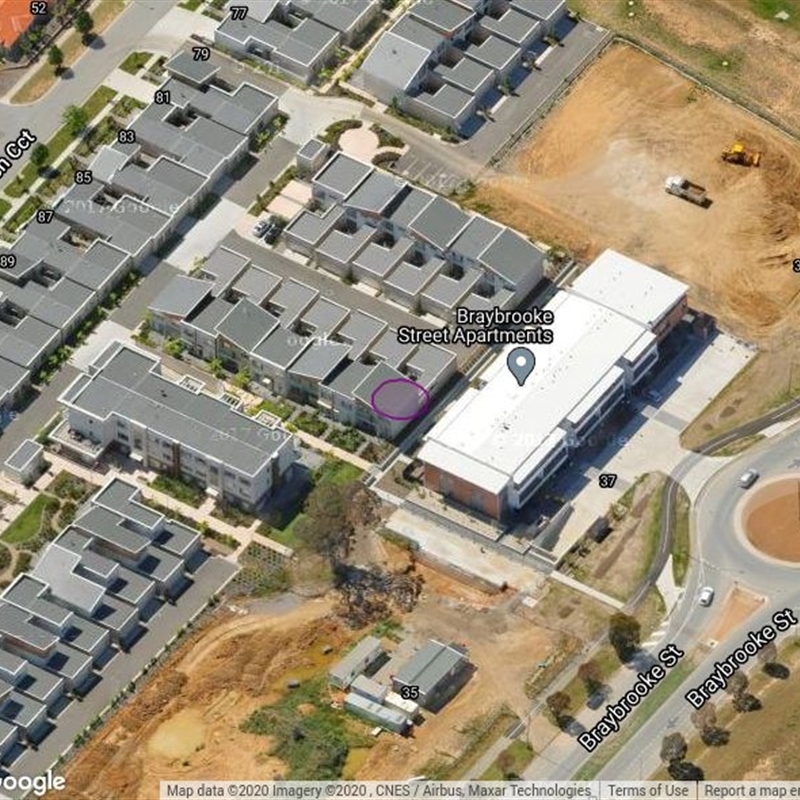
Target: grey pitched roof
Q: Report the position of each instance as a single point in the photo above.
(125, 383)
(12, 377)
(325, 316)
(390, 350)
(431, 664)
(342, 174)
(26, 342)
(18, 709)
(312, 148)
(467, 74)
(246, 325)
(412, 30)
(122, 497)
(344, 247)
(107, 526)
(16, 625)
(442, 15)
(428, 363)
(412, 279)
(282, 347)
(181, 296)
(359, 331)
(57, 568)
(184, 65)
(448, 100)
(177, 538)
(291, 300)
(397, 61)
(513, 26)
(476, 237)
(339, 16)
(256, 284)
(210, 315)
(129, 224)
(320, 359)
(27, 451)
(347, 377)
(440, 222)
(58, 305)
(493, 52)
(223, 267)
(541, 9)
(512, 257)
(311, 227)
(380, 260)
(376, 192)
(368, 648)
(448, 291)
(412, 204)
(378, 375)
(165, 184)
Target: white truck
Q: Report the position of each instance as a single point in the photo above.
(682, 187)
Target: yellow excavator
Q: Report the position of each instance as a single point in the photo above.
(737, 153)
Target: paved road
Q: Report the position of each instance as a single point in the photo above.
(43, 118)
(722, 561)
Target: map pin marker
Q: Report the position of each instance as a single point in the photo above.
(521, 362)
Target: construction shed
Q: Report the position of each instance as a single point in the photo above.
(433, 675)
(368, 651)
(369, 688)
(387, 718)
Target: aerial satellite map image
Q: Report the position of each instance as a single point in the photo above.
(400, 399)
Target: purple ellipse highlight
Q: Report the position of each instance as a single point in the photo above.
(400, 399)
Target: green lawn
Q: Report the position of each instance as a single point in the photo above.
(59, 142)
(336, 471)
(26, 526)
(23, 214)
(279, 409)
(4, 207)
(135, 61)
(681, 544)
(191, 5)
(180, 490)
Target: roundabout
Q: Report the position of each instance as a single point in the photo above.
(769, 519)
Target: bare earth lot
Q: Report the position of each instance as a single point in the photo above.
(592, 177)
(184, 724)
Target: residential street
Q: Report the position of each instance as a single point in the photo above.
(128, 32)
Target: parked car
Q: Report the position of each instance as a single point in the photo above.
(706, 596)
(271, 233)
(260, 228)
(747, 479)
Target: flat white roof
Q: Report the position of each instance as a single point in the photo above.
(502, 432)
(629, 287)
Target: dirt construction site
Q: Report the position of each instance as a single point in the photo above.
(184, 724)
(592, 176)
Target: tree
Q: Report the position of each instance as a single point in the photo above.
(673, 748)
(685, 771)
(505, 763)
(744, 702)
(737, 683)
(174, 348)
(83, 23)
(55, 57)
(40, 155)
(768, 654)
(591, 675)
(76, 119)
(705, 717)
(216, 368)
(242, 378)
(624, 634)
(558, 703)
(326, 527)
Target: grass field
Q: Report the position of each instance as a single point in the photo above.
(516, 756)
(681, 543)
(134, 61)
(26, 526)
(763, 744)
